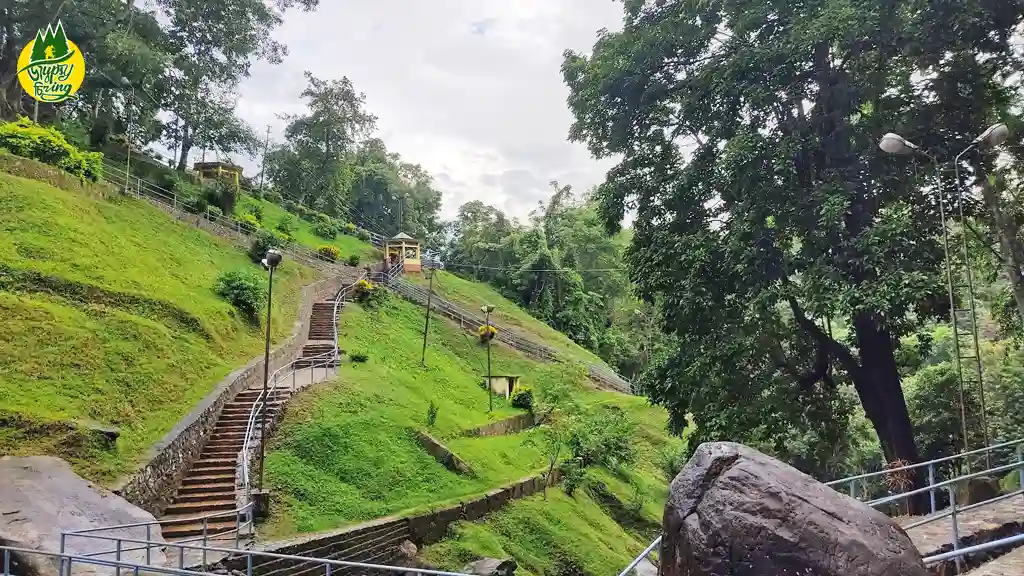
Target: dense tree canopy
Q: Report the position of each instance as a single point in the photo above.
(747, 132)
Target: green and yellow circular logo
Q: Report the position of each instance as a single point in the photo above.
(51, 67)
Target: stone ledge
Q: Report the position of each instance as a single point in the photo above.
(442, 454)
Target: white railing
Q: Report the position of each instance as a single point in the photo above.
(282, 376)
(952, 512)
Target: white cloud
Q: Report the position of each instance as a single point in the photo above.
(470, 89)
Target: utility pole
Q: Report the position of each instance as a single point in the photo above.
(487, 329)
(426, 323)
(263, 165)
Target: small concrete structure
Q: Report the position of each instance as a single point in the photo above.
(406, 249)
(219, 170)
(503, 384)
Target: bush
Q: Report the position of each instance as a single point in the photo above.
(196, 204)
(247, 223)
(486, 333)
(288, 225)
(603, 439)
(264, 240)
(272, 196)
(359, 357)
(363, 235)
(325, 228)
(213, 213)
(221, 193)
(289, 205)
(431, 414)
(328, 252)
(255, 210)
(522, 398)
(573, 476)
(370, 296)
(672, 461)
(26, 138)
(353, 260)
(349, 228)
(245, 290)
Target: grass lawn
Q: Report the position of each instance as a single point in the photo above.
(472, 295)
(110, 318)
(346, 451)
(349, 245)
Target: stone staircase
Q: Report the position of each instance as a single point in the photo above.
(209, 486)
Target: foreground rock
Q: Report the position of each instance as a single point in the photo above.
(734, 511)
(40, 497)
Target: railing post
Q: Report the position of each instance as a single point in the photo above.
(248, 564)
(181, 556)
(952, 516)
(7, 563)
(330, 569)
(1020, 467)
(853, 488)
(206, 520)
(931, 482)
(63, 537)
(118, 557)
(148, 539)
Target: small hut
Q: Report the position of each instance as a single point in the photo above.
(219, 170)
(403, 248)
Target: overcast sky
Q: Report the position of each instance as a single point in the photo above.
(469, 89)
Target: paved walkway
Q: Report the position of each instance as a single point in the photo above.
(929, 538)
(1011, 564)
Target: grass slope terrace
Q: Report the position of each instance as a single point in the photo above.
(347, 452)
(110, 319)
(470, 296)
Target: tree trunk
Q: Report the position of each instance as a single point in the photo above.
(1009, 242)
(186, 147)
(878, 385)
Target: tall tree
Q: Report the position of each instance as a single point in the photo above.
(748, 131)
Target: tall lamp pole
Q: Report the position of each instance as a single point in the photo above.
(994, 136)
(426, 324)
(271, 261)
(487, 309)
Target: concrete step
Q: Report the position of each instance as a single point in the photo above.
(186, 530)
(197, 508)
(218, 452)
(219, 494)
(213, 462)
(224, 486)
(214, 476)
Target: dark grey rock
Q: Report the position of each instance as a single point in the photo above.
(491, 567)
(735, 511)
(41, 497)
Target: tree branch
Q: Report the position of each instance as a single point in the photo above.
(839, 351)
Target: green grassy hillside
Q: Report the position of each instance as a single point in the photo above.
(346, 451)
(348, 245)
(110, 319)
(472, 295)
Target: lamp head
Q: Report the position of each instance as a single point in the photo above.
(272, 259)
(487, 309)
(994, 136)
(893, 143)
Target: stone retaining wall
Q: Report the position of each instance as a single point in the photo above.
(152, 486)
(442, 454)
(503, 427)
(423, 529)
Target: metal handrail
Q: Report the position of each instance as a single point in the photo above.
(636, 561)
(282, 373)
(952, 511)
(928, 463)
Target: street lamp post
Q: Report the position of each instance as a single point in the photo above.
(271, 261)
(426, 324)
(994, 136)
(487, 309)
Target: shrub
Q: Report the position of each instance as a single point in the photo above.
(289, 205)
(370, 296)
(522, 398)
(603, 439)
(353, 260)
(359, 357)
(213, 213)
(272, 196)
(245, 290)
(247, 223)
(221, 193)
(255, 210)
(328, 252)
(349, 228)
(264, 240)
(486, 332)
(288, 225)
(431, 414)
(26, 138)
(363, 235)
(672, 461)
(325, 228)
(196, 204)
(572, 476)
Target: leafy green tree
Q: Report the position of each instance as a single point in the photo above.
(747, 134)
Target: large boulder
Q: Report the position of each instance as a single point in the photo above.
(491, 567)
(733, 510)
(41, 497)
